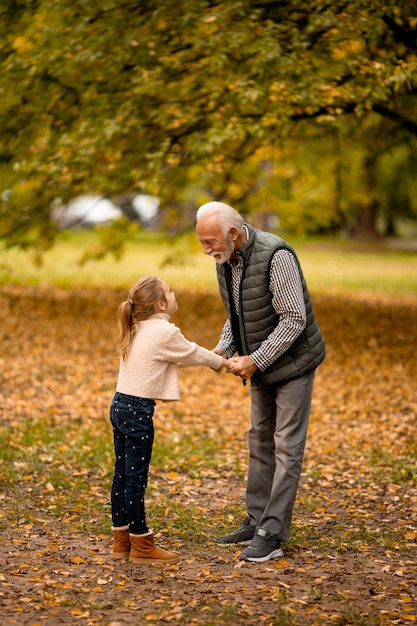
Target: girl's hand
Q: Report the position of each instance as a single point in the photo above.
(225, 365)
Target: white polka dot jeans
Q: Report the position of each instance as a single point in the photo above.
(133, 434)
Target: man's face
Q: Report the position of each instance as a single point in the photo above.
(214, 243)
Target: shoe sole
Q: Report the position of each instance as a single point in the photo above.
(275, 554)
(119, 555)
(144, 560)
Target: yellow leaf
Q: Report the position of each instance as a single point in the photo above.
(48, 596)
(101, 559)
(80, 614)
(77, 560)
(411, 535)
(172, 568)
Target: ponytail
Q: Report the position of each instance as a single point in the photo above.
(126, 327)
(140, 305)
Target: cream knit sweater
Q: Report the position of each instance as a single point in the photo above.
(150, 369)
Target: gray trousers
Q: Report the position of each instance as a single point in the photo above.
(277, 436)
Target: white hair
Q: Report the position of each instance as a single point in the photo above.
(226, 216)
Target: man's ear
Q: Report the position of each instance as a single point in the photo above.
(233, 233)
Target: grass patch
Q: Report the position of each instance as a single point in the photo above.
(64, 472)
(196, 456)
(328, 264)
(54, 471)
(190, 522)
(395, 469)
(178, 260)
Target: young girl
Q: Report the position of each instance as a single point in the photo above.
(151, 349)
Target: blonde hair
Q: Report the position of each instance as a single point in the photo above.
(140, 304)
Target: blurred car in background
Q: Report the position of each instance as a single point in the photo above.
(87, 211)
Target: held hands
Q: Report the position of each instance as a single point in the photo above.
(242, 366)
(225, 366)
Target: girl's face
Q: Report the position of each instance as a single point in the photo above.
(170, 306)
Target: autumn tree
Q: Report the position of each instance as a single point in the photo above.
(153, 97)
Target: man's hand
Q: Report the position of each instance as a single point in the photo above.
(242, 366)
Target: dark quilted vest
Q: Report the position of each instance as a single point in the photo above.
(257, 317)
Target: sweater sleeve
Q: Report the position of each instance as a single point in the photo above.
(177, 349)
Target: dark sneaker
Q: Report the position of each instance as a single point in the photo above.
(264, 547)
(244, 534)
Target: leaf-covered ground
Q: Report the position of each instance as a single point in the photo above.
(352, 555)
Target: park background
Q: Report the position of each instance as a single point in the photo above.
(303, 116)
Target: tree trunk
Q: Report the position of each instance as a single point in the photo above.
(339, 219)
(365, 228)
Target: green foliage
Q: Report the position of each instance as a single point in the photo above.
(159, 97)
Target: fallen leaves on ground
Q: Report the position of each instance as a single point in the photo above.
(352, 555)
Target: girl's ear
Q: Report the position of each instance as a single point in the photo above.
(161, 305)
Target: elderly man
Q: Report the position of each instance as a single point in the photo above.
(271, 325)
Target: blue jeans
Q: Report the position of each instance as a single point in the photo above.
(133, 434)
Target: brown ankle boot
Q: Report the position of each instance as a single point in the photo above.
(144, 550)
(121, 543)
